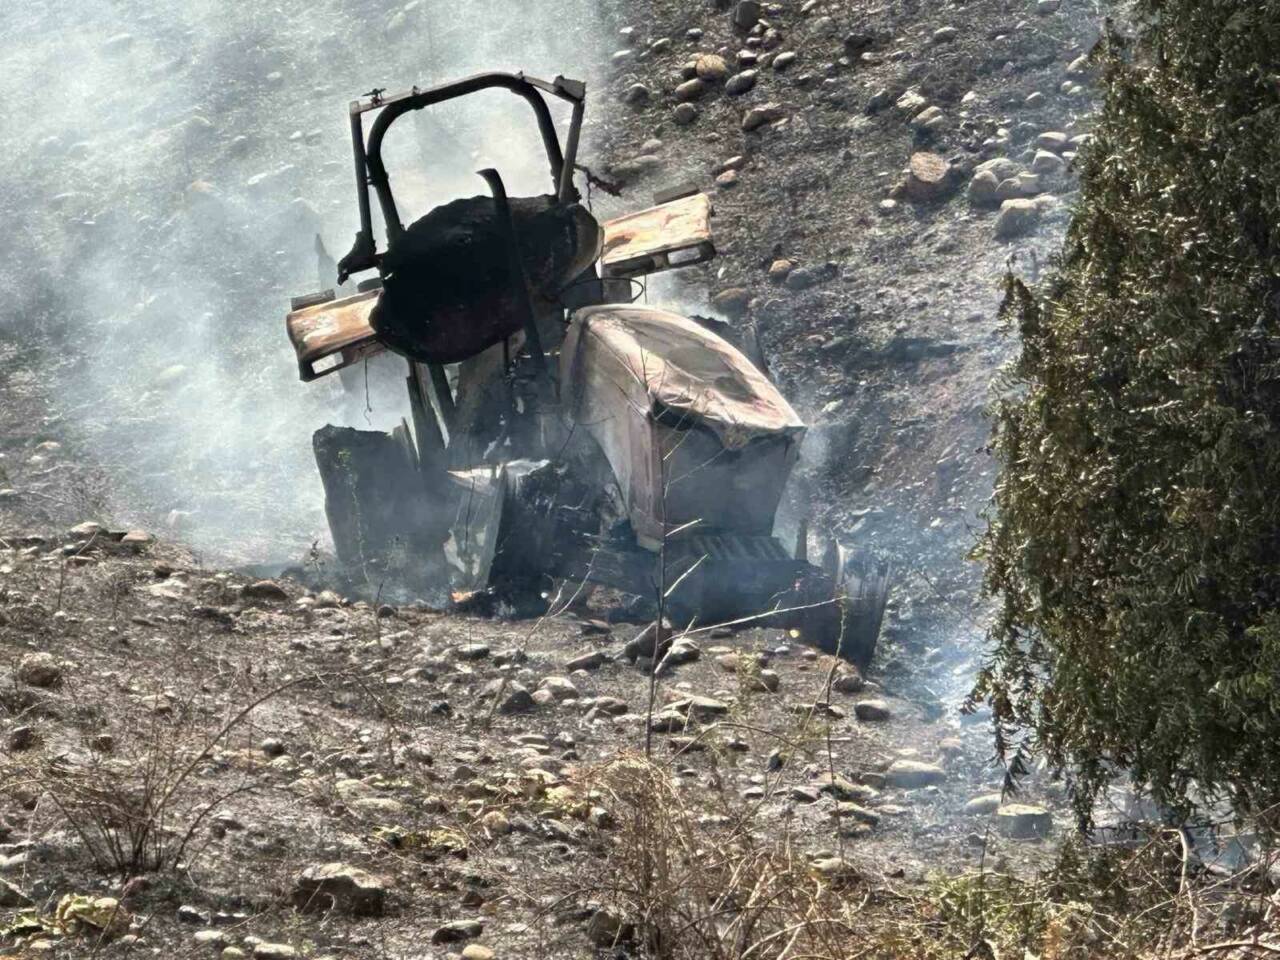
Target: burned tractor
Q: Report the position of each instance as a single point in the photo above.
(559, 432)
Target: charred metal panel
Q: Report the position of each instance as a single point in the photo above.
(332, 334)
(694, 433)
(675, 234)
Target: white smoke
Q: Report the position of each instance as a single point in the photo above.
(172, 166)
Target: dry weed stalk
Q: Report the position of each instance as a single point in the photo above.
(689, 884)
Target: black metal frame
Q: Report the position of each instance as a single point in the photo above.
(372, 172)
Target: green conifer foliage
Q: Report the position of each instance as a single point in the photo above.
(1134, 543)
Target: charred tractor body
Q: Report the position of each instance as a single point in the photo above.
(561, 434)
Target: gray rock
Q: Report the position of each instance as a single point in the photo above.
(746, 13)
(691, 90)
(264, 590)
(588, 661)
(685, 114)
(40, 670)
(911, 103)
(711, 67)
(341, 887)
(560, 688)
(22, 738)
(1052, 141)
(757, 117)
(927, 176)
(872, 711)
(636, 94)
(983, 189)
(732, 302)
(517, 700)
(945, 34)
(1048, 163)
(983, 805)
(457, 931)
(740, 83)
(272, 951)
(783, 60)
(1023, 821)
(913, 774)
(1016, 218)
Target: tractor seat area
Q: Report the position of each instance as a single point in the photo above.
(449, 291)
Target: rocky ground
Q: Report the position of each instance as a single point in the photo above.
(876, 168)
(210, 753)
(253, 769)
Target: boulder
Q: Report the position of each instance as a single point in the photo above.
(1052, 141)
(747, 13)
(926, 176)
(517, 700)
(911, 103)
(1023, 821)
(913, 774)
(588, 661)
(1048, 163)
(982, 805)
(691, 90)
(560, 688)
(685, 114)
(341, 887)
(711, 68)
(872, 711)
(760, 116)
(1016, 218)
(457, 931)
(740, 83)
(983, 189)
(732, 302)
(40, 670)
(1002, 168)
(264, 590)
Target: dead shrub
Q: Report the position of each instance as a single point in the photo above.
(686, 883)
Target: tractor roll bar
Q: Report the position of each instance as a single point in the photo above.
(371, 171)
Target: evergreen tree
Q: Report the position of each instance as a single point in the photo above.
(1134, 542)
